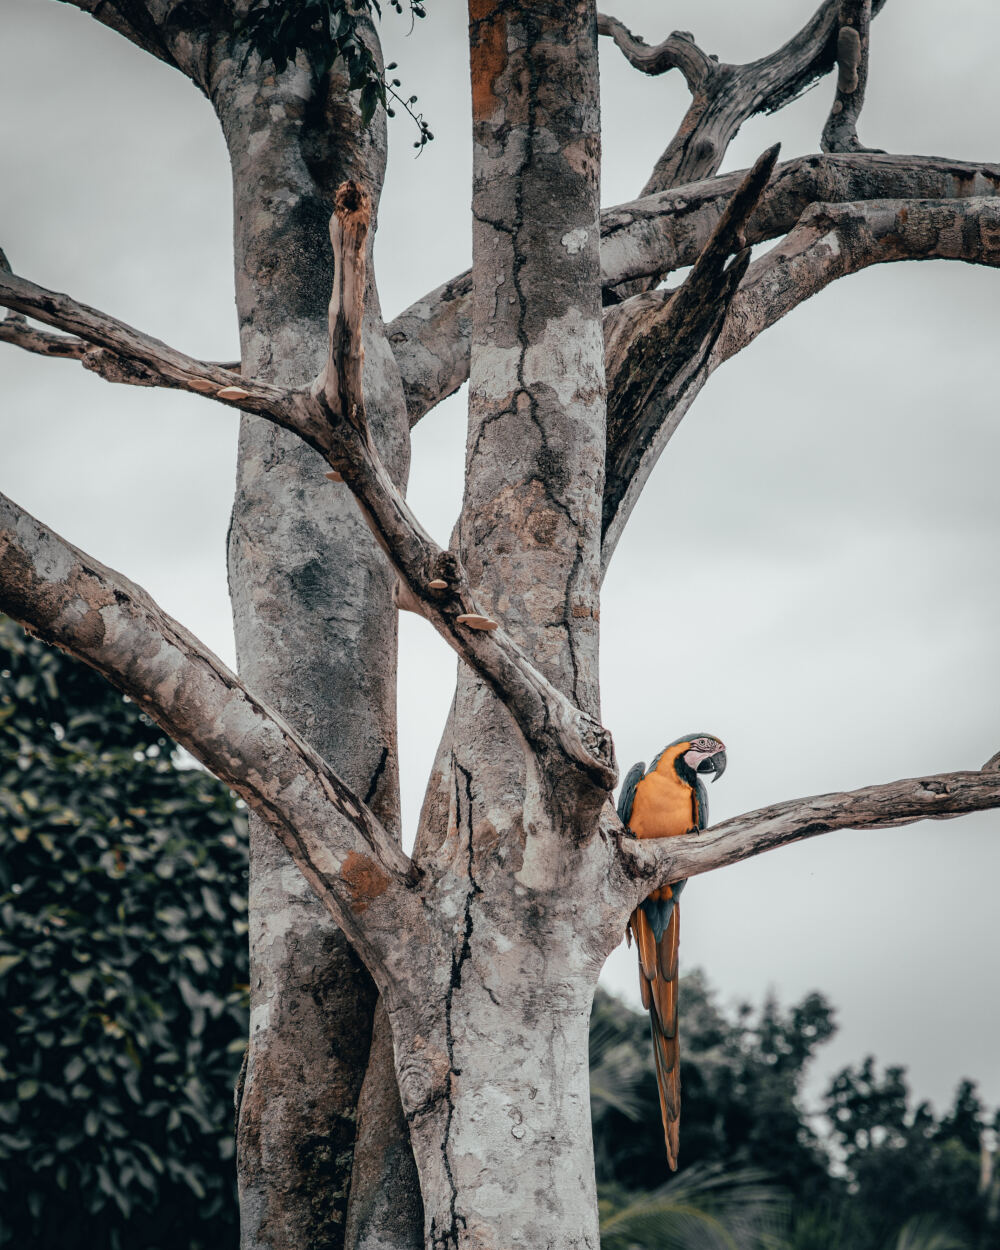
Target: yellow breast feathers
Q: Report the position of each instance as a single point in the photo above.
(664, 805)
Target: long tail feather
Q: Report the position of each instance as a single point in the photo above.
(645, 942)
(658, 984)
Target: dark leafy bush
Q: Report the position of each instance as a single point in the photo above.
(123, 968)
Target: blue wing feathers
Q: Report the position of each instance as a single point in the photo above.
(702, 794)
(627, 796)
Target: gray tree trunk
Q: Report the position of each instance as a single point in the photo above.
(315, 634)
(462, 1119)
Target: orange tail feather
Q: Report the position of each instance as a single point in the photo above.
(658, 985)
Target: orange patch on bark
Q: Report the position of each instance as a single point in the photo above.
(365, 880)
(488, 56)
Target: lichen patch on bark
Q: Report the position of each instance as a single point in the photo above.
(489, 56)
(365, 880)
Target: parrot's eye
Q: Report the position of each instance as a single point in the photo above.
(708, 745)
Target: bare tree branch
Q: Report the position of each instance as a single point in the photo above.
(140, 358)
(69, 599)
(679, 51)
(657, 346)
(16, 330)
(430, 341)
(727, 95)
(19, 332)
(833, 240)
(657, 861)
(840, 134)
(651, 237)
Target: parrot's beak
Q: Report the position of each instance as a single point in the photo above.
(714, 764)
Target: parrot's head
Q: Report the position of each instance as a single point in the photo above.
(705, 754)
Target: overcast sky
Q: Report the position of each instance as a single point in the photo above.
(839, 628)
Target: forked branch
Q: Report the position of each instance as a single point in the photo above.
(830, 241)
(19, 332)
(726, 96)
(330, 417)
(649, 238)
(653, 862)
(71, 600)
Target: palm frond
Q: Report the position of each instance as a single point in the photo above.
(927, 1232)
(701, 1209)
(617, 1073)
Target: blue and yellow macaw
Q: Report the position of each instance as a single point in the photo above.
(665, 802)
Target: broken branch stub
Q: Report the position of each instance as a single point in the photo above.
(658, 347)
(341, 380)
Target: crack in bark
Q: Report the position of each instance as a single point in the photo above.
(376, 776)
(519, 260)
(446, 1239)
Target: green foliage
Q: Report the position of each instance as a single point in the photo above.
(740, 1075)
(617, 1070)
(700, 1209)
(123, 969)
(928, 1233)
(329, 31)
(902, 1161)
(881, 1175)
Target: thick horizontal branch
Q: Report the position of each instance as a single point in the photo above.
(833, 240)
(649, 238)
(151, 362)
(71, 600)
(658, 861)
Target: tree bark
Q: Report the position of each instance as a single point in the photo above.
(315, 632)
(508, 1099)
